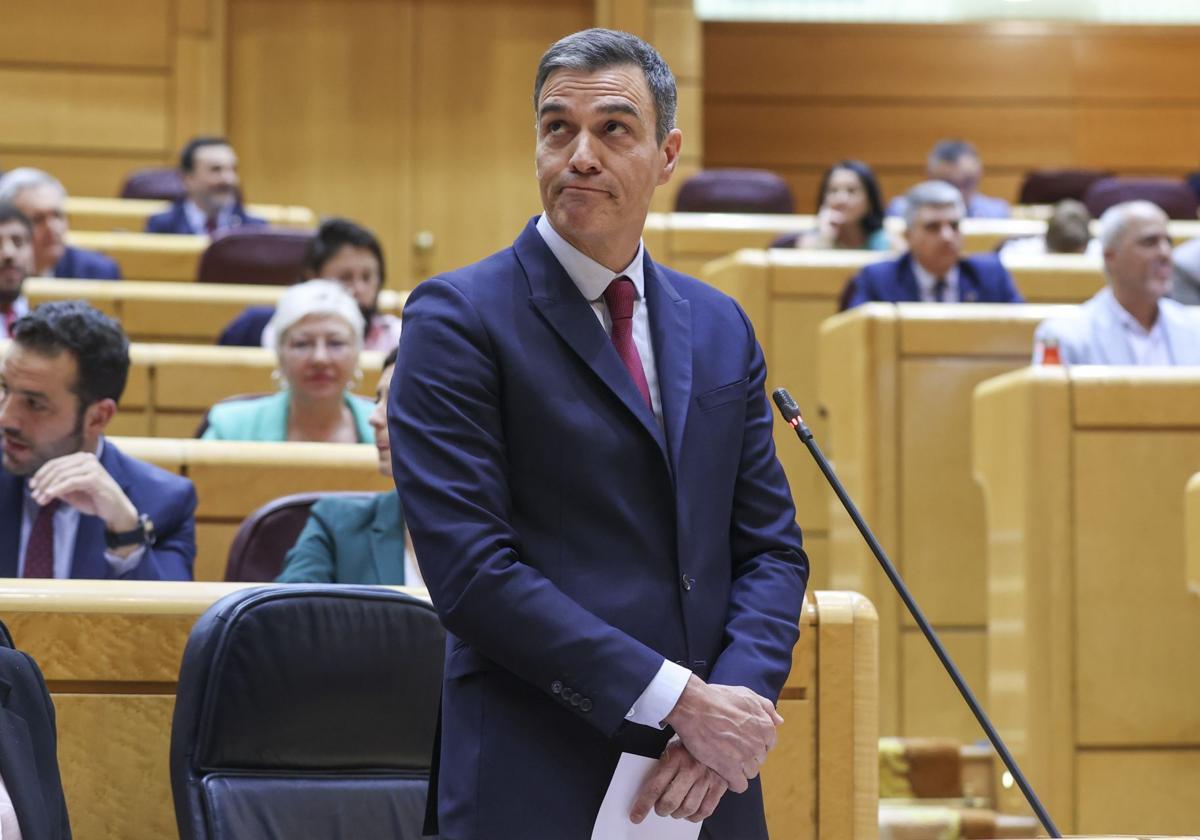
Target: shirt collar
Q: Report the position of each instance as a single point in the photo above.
(926, 281)
(1129, 322)
(198, 219)
(589, 276)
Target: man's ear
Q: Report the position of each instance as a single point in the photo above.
(97, 416)
(670, 150)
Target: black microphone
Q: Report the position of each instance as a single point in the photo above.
(791, 414)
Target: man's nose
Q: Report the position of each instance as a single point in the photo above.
(583, 156)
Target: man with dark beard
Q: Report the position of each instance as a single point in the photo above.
(16, 263)
(71, 504)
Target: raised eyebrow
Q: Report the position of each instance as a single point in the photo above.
(551, 108)
(619, 108)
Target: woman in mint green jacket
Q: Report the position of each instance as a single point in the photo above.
(357, 540)
(318, 332)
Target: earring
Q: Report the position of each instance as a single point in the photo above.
(358, 378)
(277, 378)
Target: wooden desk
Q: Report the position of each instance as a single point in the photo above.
(130, 214)
(1191, 520)
(788, 294)
(111, 650)
(144, 256)
(897, 383)
(191, 313)
(1092, 629)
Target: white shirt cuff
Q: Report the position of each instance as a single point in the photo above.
(123, 565)
(660, 697)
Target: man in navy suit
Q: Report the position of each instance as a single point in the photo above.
(933, 269)
(71, 503)
(582, 444)
(210, 176)
(29, 774)
(42, 198)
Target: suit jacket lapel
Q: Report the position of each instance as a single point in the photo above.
(908, 280)
(387, 534)
(671, 331)
(18, 767)
(968, 283)
(12, 501)
(558, 300)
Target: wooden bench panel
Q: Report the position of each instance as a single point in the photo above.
(111, 650)
(130, 214)
(1092, 626)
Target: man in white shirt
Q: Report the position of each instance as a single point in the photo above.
(209, 167)
(16, 263)
(1130, 321)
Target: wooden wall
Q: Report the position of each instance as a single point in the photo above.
(794, 98)
(91, 90)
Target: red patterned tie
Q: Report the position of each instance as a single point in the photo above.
(619, 296)
(39, 551)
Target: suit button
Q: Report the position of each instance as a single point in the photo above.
(556, 687)
(576, 699)
(687, 582)
(585, 706)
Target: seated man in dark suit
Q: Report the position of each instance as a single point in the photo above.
(16, 262)
(71, 504)
(210, 176)
(32, 805)
(42, 198)
(934, 269)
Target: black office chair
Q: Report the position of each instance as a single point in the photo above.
(307, 711)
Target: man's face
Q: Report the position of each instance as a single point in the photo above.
(16, 259)
(44, 206)
(598, 162)
(1139, 267)
(934, 237)
(39, 414)
(963, 173)
(212, 184)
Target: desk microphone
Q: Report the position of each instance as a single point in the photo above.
(791, 415)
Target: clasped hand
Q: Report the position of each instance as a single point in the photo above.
(80, 480)
(724, 734)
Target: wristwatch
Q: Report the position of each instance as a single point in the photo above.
(143, 534)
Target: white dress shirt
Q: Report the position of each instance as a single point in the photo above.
(1149, 347)
(197, 219)
(591, 278)
(926, 282)
(66, 527)
(10, 829)
(19, 309)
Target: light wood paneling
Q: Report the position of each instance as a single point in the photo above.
(334, 132)
(78, 109)
(1162, 782)
(932, 705)
(85, 173)
(131, 33)
(795, 98)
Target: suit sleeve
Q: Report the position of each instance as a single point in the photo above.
(450, 463)
(1011, 294)
(859, 294)
(174, 551)
(312, 558)
(56, 800)
(770, 568)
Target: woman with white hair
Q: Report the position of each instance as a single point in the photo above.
(318, 332)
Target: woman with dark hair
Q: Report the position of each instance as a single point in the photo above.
(851, 211)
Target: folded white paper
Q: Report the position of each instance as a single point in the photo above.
(612, 823)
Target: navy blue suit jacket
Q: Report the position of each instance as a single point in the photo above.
(79, 264)
(570, 544)
(981, 279)
(246, 330)
(175, 220)
(169, 499)
(28, 749)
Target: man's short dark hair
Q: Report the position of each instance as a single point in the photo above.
(187, 158)
(598, 49)
(100, 348)
(949, 151)
(10, 213)
(333, 235)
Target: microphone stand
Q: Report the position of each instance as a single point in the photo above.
(791, 415)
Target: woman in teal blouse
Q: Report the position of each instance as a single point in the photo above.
(850, 214)
(348, 540)
(318, 332)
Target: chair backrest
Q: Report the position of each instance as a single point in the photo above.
(6, 639)
(307, 711)
(161, 182)
(260, 255)
(734, 191)
(264, 538)
(1050, 186)
(1175, 197)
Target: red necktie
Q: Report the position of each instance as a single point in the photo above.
(39, 551)
(619, 296)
